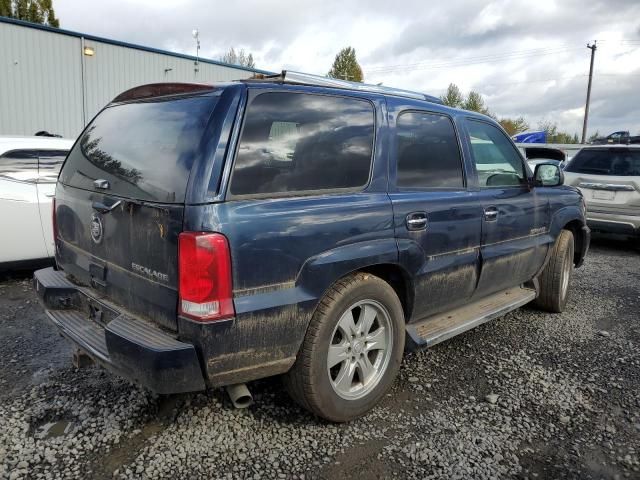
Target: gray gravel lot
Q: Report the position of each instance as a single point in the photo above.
(531, 395)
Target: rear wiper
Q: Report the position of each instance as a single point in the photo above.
(102, 208)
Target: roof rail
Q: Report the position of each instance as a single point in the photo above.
(308, 79)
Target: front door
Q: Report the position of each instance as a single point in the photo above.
(436, 218)
(515, 219)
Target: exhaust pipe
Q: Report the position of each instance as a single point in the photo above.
(240, 395)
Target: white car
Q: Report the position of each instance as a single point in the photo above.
(29, 169)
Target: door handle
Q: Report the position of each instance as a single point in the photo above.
(491, 214)
(416, 221)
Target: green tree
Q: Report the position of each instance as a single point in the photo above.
(514, 126)
(34, 14)
(453, 96)
(346, 66)
(475, 103)
(240, 58)
(6, 8)
(36, 11)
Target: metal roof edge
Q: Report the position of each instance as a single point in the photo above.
(134, 46)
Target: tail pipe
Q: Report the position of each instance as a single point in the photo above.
(240, 395)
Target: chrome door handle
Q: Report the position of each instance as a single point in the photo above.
(416, 221)
(491, 214)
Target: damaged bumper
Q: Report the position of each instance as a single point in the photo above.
(127, 346)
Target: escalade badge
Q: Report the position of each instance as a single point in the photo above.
(95, 227)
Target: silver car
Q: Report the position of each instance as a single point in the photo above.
(609, 177)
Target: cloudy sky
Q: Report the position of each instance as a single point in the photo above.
(525, 57)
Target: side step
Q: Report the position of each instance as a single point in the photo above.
(441, 327)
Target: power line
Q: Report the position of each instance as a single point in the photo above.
(474, 60)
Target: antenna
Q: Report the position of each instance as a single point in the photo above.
(196, 35)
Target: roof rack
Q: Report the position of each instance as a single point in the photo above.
(317, 80)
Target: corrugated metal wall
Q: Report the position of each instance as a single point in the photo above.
(40, 82)
(42, 75)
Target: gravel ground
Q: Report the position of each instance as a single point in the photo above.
(531, 395)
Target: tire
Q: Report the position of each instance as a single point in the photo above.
(364, 370)
(555, 278)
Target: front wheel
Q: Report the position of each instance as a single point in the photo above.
(554, 280)
(352, 350)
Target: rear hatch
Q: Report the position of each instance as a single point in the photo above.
(121, 196)
(609, 178)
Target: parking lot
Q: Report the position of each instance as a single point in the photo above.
(531, 395)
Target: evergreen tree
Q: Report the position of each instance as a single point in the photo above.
(35, 11)
(346, 66)
(475, 103)
(453, 97)
(6, 9)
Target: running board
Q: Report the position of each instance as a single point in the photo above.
(441, 327)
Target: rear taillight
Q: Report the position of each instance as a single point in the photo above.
(205, 287)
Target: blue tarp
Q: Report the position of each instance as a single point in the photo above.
(531, 137)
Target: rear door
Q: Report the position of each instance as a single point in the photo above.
(436, 218)
(515, 223)
(120, 200)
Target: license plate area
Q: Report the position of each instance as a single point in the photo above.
(603, 195)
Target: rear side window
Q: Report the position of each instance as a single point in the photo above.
(612, 161)
(428, 153)
(144, 149)
(19, 165)
(295, 143)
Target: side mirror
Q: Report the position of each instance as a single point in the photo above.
(548, 175)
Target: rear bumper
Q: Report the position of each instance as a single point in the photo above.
(614, 223)
(127, 346)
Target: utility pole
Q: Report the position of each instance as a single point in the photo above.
(586, 107)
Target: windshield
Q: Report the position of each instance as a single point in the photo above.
(622, 162)
(145, 149)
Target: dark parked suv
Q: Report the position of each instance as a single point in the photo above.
(290, 225)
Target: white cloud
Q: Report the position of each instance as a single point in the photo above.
(428, 44)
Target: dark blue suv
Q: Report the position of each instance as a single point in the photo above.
(210, 235)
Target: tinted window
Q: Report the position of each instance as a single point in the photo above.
(49, 165)
(428, 153)
(21, 165)
(144, 149)
(293, 142)
(615, 161)
(497, 160)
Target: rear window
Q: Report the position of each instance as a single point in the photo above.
(145, 150)
(295, 143)
(615, 161)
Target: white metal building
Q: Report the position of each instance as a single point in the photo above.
(57, 80)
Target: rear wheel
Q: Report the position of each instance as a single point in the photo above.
(554, 280)
(352, 350)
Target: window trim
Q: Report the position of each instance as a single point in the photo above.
(465, 183)
(252, 96)
(525, 185)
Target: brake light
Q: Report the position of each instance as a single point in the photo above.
(205, 286)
